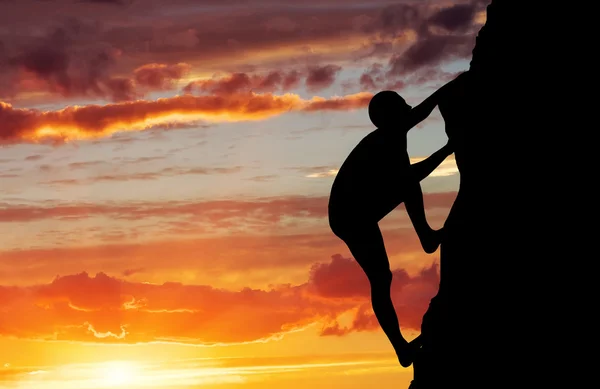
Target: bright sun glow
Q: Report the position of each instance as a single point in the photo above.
(118, 374)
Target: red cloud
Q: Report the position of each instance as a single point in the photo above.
(95, 58)
(344, 279)
(243, 82)
(160, 76)
(103, 308)
(377, 78)
(321, 77)
(73, 61)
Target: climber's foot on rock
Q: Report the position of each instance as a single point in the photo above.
(406, 353)
(431, 242)
(416, 342)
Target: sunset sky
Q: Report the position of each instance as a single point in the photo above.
(165, 167)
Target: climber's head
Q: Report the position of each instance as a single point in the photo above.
(387, 109)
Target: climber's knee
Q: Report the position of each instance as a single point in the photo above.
(380, 279)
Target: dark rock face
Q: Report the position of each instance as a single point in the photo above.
(490, 300)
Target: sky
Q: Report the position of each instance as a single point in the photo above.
(164, 174)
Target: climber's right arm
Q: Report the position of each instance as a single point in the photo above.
(423, 110)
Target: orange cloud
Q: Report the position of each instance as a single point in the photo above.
(268, 210)
(224, 243)
(93, 121)
(101, 308)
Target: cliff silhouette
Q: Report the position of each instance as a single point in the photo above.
(515, 221)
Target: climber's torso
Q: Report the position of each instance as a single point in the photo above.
(370, 181)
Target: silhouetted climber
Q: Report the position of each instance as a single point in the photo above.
(375, 178)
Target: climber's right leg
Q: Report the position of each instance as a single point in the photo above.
(365, 242)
